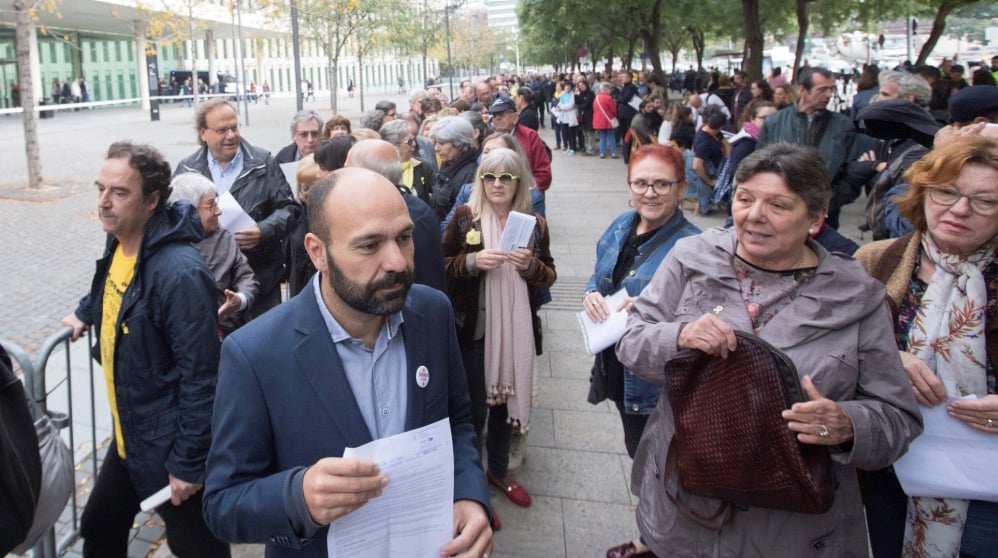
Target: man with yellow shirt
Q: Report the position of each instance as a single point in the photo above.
(152, 305)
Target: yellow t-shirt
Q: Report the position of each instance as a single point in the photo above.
(119, 276)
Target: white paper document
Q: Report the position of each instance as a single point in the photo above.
(160, 496)
(233, 218)
(599, 336)
(949, 459)
(517, 232)
(414, 516)
(290, 171)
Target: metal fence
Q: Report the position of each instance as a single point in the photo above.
(53, 393)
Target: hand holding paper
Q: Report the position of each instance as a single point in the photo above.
(600, 335)
(334, 487)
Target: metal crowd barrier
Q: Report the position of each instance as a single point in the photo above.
(39, 390)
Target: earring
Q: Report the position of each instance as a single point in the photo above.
(630, 203)
(810, 231)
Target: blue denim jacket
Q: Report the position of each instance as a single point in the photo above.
(640, 397)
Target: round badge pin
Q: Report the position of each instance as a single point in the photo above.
(422, 376)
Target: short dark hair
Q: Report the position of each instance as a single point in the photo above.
(526, 93)
(800, 167)
(714, 117)
(385, 106)
(332, 153)
(805, 77)
(317, 222)
(150, 164)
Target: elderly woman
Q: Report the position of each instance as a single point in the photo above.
(417, 175)
(493, 316)
(768, 277)
(233, 275)
(454, 142)
(338, 125)
(604, 113)
(942, 285)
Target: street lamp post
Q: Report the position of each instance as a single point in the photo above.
(450, 66)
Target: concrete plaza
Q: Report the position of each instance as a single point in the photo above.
(577, 469)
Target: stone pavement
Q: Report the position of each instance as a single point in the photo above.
(577, 469)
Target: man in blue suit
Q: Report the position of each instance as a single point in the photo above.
(359, 354)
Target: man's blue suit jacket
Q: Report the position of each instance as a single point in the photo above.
(283, 402)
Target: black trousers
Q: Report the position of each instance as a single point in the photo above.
(634, 427)
(110, 512)
(500, 435)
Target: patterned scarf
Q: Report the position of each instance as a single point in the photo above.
(510, 364)
(948, 335)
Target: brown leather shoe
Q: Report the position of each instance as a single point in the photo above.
(628, 550)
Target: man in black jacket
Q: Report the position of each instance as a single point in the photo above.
(306, 132)
(254, 179)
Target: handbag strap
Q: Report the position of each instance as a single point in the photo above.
(601, 109)
(714, 522)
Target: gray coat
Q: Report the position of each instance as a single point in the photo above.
(838, 330)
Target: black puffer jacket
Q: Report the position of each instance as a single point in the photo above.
(449, 181)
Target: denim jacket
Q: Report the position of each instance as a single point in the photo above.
(640, 397)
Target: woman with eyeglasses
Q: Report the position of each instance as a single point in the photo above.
(489, 289)
(417, 175)
(627, 255)
(942, 286)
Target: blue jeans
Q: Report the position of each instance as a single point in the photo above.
(607, 142)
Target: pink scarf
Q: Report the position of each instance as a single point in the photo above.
(510, 363)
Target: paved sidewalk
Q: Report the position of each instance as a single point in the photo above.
(577, 469)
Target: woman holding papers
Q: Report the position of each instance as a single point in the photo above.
(489, 288)
(942, 284)
(627, 256)
(767, 277)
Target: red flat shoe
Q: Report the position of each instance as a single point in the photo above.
(516, 493)
(628, 550)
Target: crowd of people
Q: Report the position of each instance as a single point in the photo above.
(405, 309)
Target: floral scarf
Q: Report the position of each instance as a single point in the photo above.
(510, 363)
(948, 335)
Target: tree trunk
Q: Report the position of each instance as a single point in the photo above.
(629, 56)
(802, 27)
(752, 59)
(652, 36)
(608, 68)
(938, 25)
(699, 45)
(24, 31)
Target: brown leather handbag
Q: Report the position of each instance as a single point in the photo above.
(731, 443)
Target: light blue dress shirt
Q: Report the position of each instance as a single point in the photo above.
(225, 177)
(376, 376)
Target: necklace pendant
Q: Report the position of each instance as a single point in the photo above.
(718, 309)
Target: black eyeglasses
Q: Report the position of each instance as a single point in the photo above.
(661, 186)
(981, 205)
(505, 178)
(411, 142)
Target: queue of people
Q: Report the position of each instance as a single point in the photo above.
(392, 229)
